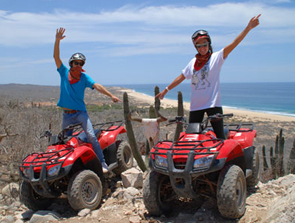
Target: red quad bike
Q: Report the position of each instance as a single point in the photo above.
(199, 165)
(70, 167)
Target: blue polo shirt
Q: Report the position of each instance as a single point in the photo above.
(72, 95)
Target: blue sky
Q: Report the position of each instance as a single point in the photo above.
(131, 42)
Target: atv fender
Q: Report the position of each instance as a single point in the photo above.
(87, 156)
(85, 153)
(245, 138)
(248, 154)
(107, 138)
(230, 150)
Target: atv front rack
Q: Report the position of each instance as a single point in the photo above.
(50, 158)
(199, 147)
(36, 164)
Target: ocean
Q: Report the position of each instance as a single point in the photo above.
(273, 98)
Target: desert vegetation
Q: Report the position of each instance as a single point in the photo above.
(27, 111)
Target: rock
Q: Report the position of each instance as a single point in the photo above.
(44, 216)
(134, 219)
(132, 178)
(130, 193)
(84, 212)
(25, 215)
(11, 190)
(8, 219)
(282, 209)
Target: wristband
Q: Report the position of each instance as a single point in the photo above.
(167, 88)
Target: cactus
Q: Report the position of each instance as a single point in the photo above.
(157, 100)
(180, 112)
(152, 114)
(265, 164)
(277, 158)
(130, 134)
(291, 163)
(281, 152)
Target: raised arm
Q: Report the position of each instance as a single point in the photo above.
(252, 24)
(59, 36)
(174, 83)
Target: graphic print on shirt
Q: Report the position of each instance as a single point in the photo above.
(200, 78)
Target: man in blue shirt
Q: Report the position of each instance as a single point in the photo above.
(73, 83)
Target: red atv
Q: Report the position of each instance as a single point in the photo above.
(199, 165)
(70, 167)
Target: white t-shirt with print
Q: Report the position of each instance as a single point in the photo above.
(205, 92)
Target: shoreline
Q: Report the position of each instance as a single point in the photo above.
(168, 103)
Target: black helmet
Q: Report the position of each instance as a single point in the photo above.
(77, 56)
(201, 34)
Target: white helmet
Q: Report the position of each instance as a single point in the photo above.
(77, 56)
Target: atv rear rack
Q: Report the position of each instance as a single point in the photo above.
(107, 126)
(241, 127)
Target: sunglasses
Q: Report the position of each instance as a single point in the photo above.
(202, 45)
(199, 33)
(78, 63)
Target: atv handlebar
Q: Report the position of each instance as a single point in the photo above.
(218, 116)
(178, 120)
(77, 128)
(204, 123)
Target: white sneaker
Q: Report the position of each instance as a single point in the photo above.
(104, 167)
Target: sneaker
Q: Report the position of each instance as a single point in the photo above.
(104, 167)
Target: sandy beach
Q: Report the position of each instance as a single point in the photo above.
(249, 115)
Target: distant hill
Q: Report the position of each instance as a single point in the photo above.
(41, 93)
(29, 92)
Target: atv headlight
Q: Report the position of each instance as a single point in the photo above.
(53, 171)
(161, 161)
(203, 162)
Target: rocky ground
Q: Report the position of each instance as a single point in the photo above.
(273, 201)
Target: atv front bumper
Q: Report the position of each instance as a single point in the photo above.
(41, 181)
(181, 179)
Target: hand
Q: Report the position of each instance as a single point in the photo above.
(60, 33)
(161, 95)
(115, 99)
(254, 22)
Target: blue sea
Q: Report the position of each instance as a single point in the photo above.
(273, 98)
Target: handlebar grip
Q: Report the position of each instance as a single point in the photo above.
(228, 115)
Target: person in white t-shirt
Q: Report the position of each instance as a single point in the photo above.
(204, 72)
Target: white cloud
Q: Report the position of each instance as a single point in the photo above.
(150, 27)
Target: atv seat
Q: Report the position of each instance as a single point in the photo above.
(83, 137)
(226, 133)
(194, 128)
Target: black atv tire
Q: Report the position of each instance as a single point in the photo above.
(158, 194)
(124, 158)
(33, 200)
(84, 190)
(254, 178)
(231, 192)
